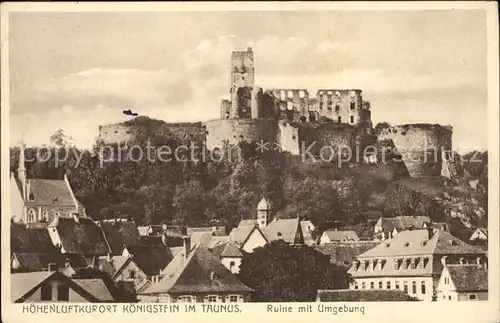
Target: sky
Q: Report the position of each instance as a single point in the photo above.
(77, 71)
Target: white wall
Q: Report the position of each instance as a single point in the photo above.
(255, 240)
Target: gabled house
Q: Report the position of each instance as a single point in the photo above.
(480, 234)
(330, 236)
(248, 238)
(46, 286)
(150, 259)
(40, 200)
(463, 282)
(288, 230)
(124, 269)
(229, 255)
(411, 262)
(386, 228)
(196, 275)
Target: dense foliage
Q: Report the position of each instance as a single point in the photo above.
(279, 272)
(199, 189)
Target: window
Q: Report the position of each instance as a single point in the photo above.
(353, 105)
(363, 285)
(372, 285)
(472, 296)
(211, 299)
(131, 274)
(45, 216)
(352, 119)
(234, 298)
(63, 293)
(380, 285)
(232, 264)
(185, 299)
(340, 119)
(446, 280)
(329, 105)
(405, 286)
(337, 107)
(31, 215)
(31, 197)
(388, 284)
(449, 298)
(422, 287)
(321, 105)
(356, 286)
(46, 292)
(414, 287)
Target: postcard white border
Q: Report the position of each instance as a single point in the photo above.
(253, 312)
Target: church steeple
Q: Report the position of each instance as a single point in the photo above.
(263, 210)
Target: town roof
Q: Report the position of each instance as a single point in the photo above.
(287, 230)
(81, 236)
(23, 283)
(469, 277)
(216, 240)
(240, 234)
(19, 239)
(353, 295)
(403, 222)
(41, 261)
(308, 239)
(143, 229)
(113, 265)
(335, 235)
(247, 223)
(95, 287)
(228, 249)
(201, 238)
(421, 242)
(437, 225)
(45, 190)
(151, 259)
(343, 254)
(201, 271)
(120, 233)
(217, 231)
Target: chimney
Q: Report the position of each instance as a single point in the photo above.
(461, 261)
(51, 267)
(187, 246)
(443, 260)
(430, 232)
(479, 261)
(76, 218)
(110, 257)
(336, 229)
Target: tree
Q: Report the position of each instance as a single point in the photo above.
(381, 126)
(279, 272)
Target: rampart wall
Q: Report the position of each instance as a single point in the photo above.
(421, 146)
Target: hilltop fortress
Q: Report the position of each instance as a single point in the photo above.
(291, 120)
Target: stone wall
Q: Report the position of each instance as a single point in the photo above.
(341, 106)
(116, 133)
(234, 131)
(421, 146)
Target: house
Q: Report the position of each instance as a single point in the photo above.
(229, 255)
(411, 261)
(40, 200)
(75, 235)
(53, 286)
(166, 234)
(124, 269)
(479, 235)
(463, 282)
(288, 230)
(201, 237)
(196, 275)
(150, 259)
(119, 232)
(385, 228)
(349, 295)
(248, 238)
(343, 254)
(338, 236)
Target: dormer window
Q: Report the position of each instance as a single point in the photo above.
(55, 200)
(31, 197)
(407, 244)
